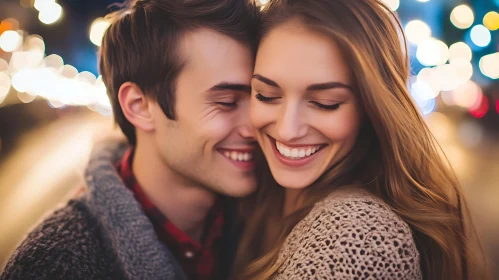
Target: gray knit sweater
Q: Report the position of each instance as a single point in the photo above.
(102, 235)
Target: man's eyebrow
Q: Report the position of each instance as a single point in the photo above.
(226, 86)
(265, 80)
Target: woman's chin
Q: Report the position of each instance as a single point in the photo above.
(294, 181)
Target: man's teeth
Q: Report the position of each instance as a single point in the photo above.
(296, 153)
(238, 156)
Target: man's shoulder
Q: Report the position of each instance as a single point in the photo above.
(67, 244)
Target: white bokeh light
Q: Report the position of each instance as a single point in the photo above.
(480, 36)
(428, 76)
(10, 40)
(463, 70)
(432, 52)
(417, 31)
(51, 13)
(97, 30)
(489, 65)
(4, 85)
(467, 94)
(447, 76)
(460, 50)
(462, 17)
(43, 4)
(422, 94)
(54, 61)
(392, 4)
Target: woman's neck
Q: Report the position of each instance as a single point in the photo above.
(292, 201)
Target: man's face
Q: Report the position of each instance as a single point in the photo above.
(210, 143)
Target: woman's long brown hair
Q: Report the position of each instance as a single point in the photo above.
(395, 158)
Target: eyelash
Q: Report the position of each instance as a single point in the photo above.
(228, 104)
(326, 107)
(321, 106)
(265, 99)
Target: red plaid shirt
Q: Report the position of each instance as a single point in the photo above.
(199, 260)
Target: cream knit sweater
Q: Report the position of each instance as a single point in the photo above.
(350, 235)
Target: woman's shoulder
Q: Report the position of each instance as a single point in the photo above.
(348, 234)
(360, 209)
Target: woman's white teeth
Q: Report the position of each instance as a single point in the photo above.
(296, 153)
(238, 156)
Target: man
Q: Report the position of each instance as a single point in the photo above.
(177, 74)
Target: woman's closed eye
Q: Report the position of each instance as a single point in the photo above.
(265, 99)
(331, 107)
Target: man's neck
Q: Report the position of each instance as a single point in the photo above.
(183, 202)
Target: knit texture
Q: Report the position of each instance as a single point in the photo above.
(102, 235)
(350, 235)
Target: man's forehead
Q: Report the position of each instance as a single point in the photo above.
(207, 45)
(211, 58)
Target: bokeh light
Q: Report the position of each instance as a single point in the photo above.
(489, 65)
(423, 95)
(428, 76)
(50, 13)
(10, 40)
(447, 98)
(4, 85)
(68, 71)
(54, 61)
(25, 97)
(467, 94)
(8, 24)
(87, 77)
(460, 50)
(491, 20)
(462, 17)
(34, 42)
(25, 60)
(480, 36)
(98, 29)
(417, 31)
(481, 108)
(392, 4)
(4, 65)
(43, 4)
(447, 76)
(432, 52)
(463, 70)
(21, 81)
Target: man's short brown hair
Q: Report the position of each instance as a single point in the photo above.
(142, 45)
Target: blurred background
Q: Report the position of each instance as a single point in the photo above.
(53, 101)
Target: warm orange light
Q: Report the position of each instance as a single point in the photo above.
(8, 24)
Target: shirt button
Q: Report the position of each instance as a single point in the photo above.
(189, 254)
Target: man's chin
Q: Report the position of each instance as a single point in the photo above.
(239, 189)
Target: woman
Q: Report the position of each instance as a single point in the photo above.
(364, 193)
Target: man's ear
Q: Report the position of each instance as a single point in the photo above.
(136, 107)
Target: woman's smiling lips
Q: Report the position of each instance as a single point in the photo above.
(295, 155)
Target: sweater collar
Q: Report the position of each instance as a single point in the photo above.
(131, 234)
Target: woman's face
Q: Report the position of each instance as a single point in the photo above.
(303, 109)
